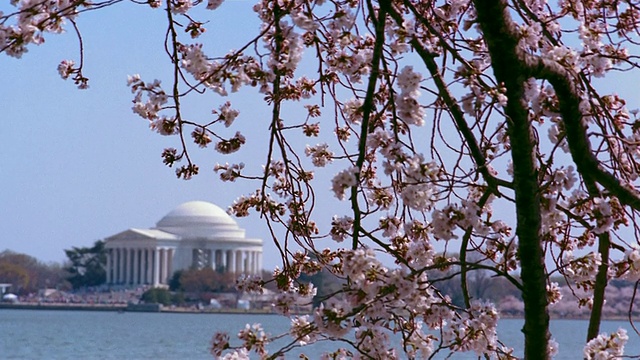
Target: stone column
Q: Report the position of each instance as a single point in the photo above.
(123, 258)
(136, 267)
(163, 266)
(254, 260)
(238, 258)
(117, 271)
(143, 266)
(122, 266)
(147, 266)
(129, 266)
(259, 263)
(156, 267)
(122, 261)
(114, 266)
(149, 278)
(247, 262)
(224, 260)
(218, 259)
(231, 260)
(210, 261)
(170, 264)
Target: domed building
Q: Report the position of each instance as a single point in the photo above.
(196, 234)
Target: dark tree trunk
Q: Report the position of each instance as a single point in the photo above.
(510, 71)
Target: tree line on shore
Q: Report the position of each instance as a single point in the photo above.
(27, 274)
(85, 268)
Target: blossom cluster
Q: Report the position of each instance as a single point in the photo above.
(341, 228)
(631, 265)
(606, 346)
(344, 180)
(582, 269)
(407, 105)
(156, 99)
(33, 19)
(229, 172)
(67, 69)
(320, 154)
(475, 330)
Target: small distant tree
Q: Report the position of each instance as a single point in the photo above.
(178, 298)
(157, 296)
(87, 265)
(174, 282)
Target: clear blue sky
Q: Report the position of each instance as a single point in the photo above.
(78, 165)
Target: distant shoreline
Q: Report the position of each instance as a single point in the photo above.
(190, 310)
(125, 308)
(62, 306)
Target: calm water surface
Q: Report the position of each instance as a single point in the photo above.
(43, 334)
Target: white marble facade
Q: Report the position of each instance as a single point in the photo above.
(196, 234)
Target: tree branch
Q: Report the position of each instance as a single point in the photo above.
(499, 34)
(576, 129)
(367, 108)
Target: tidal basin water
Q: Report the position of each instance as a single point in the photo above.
(44, 334)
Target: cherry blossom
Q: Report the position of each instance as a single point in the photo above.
(606, 346)
(461, 137)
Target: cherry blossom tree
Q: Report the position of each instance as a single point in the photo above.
(473, 135)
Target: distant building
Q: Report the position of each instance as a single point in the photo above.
(196, 234)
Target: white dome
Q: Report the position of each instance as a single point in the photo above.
(197, 214)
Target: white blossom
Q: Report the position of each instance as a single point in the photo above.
(606, 346)
(320, 154)
(344, 180)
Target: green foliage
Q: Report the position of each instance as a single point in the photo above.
(157, 296)
(178, 298)
(162, 296)
(87, 265)
(174, 282)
